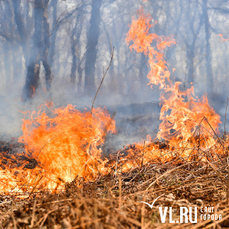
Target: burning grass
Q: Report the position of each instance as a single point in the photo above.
(112, 200)
(61, 180)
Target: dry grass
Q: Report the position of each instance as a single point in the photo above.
(112, 201)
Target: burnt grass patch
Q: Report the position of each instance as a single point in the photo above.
(113, 201)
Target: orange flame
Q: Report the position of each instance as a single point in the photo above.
(33, 90)
(222, 38)
(66, 142)
(142, 40)
(181, 111)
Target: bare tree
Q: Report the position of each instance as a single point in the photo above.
(194, 16)
(208, 60)
(76, 62)
(92, 42)
(39, 50)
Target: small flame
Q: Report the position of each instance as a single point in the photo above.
(68, 144)
(33, 91)
(65, 142)
(222, 38)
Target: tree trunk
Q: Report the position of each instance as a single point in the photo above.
(17, 63)
(33, 69)
(46, 45)
(143, 70)
(21, 28)
(74, 57)
(74, 60)
(39, 51)
(208, 58)
(7, 62)
(54, 32)
(92, 42)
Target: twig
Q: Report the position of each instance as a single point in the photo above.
(15, 223)
(35, 186)
(197, 128)
(12, 214)
(225, 122)
(42, 220)
(228, 181)
(5, 202)
(166, 173)
(45, 145)
(33, 214)
(82, 225)
(214, 132)
(142, 214)
(104, 75)
(116, 164)
(120, 192)
(219, 175)
(133, 221)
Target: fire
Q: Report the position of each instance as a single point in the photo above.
(142, 40)
(66, 143)
(188, 124)
(181, 111)
(222, 38)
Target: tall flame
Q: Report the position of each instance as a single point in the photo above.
(181, 111)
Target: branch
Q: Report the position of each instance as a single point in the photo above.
(104, 75)
(65, 16)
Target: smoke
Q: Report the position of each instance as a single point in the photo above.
(125, 90)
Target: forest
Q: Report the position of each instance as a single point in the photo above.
(58, 50)
(109, 106)
(48, 41)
